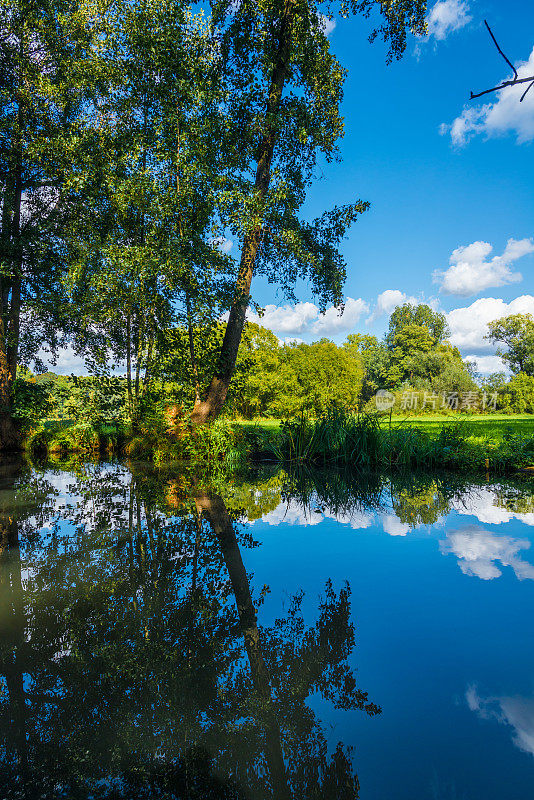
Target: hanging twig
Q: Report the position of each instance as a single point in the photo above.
(516, 79)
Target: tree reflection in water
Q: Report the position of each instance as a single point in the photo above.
(133, 664)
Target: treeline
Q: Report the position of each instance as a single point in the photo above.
(413, 368)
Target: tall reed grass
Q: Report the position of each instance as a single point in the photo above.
(362, 442)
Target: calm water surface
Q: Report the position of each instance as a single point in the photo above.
(276, 636)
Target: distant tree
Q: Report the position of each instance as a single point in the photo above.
(375, 359)
(325, 375)
(421, 315)
(494, 382)
(517, 333)
(414, 353)
(448, 372)
(261, 379)
(517, 396)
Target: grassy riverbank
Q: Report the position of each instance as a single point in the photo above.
(498, 444)
(368, 442)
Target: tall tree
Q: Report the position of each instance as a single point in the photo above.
(147, 251)
(43, 45)
(285, 89)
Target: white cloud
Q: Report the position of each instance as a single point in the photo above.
(505, 115)
(292, 513)
(393, 525)
(447, 16)
(327, 25)
(469, 324)
(333, 321)
(295, 513)
(67, 362)
(471, 272)
(487, 364)
(390, 299)
(286, 319)
(305, 319)
(478, 551)
(224, 244)
(482, 503)
(517, 712)
(291, 340)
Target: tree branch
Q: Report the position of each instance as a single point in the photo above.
(500, 51)
(516, 79)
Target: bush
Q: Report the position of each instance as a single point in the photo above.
(518, 395)
(30, 401)
(61, 438)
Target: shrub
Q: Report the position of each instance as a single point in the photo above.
(30, 401)
(518, 395)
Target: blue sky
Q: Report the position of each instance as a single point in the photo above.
(441, 173)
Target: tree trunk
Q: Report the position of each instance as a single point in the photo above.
(10, 311)
(13, 330)
(211, 407)
(214, 510)
(192, 355)
(12, 630)
(9, 439)
(148, 364)
(129, 363)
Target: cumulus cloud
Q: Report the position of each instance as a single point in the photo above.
(305, 319)
(447, 16)
(286, 319)
(335, 321)
(478, 551)
(469, 324)
(295, 513)
(516, 712)
(393, 525)
(290, 340)
(292, 513)
(471, 272)
(225, 244)
(486, 364)
(504, 116)
(390, 299)
(482, 503)
(67, 362)
(327, 24)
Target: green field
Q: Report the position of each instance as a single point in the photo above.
(491, 426)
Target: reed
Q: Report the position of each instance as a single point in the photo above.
(362, 442)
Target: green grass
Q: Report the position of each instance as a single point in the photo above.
(490, 425)
(264, 424)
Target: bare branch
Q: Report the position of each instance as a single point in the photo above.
(503, 85)
(526, 90)
(516, 80)
(500, 51)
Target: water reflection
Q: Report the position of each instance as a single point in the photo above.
(478, 551)
(403, 504)
(516, 712)
(132, 660)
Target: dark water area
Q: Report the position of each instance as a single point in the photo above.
(279, 635)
